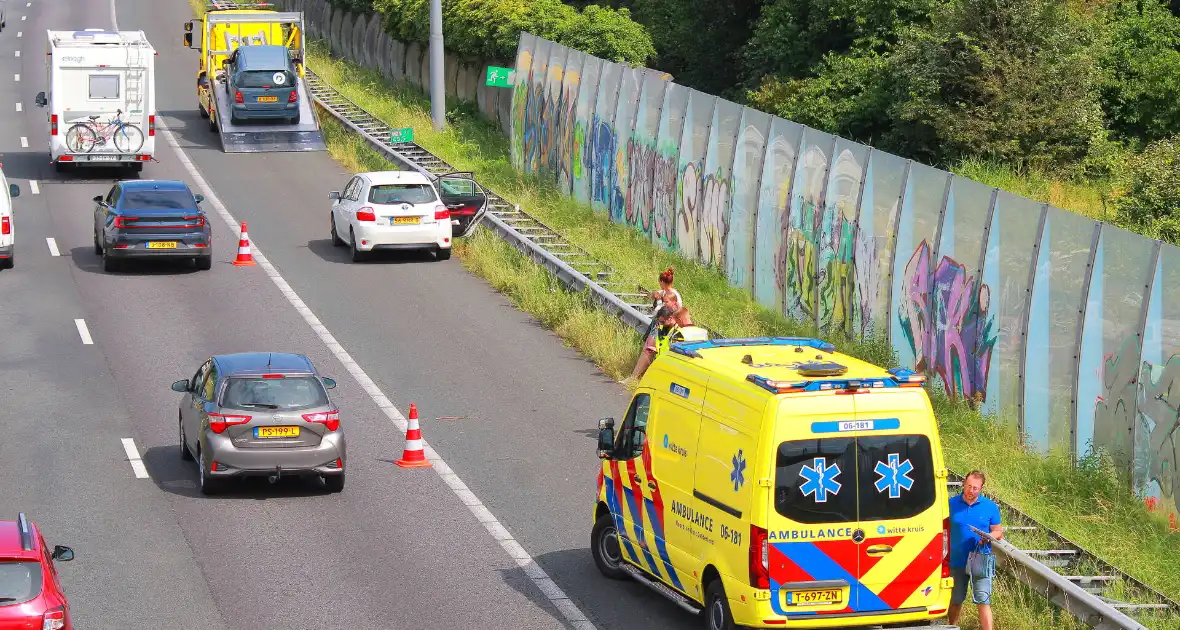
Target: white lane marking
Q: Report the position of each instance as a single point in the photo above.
(498, 532)
(24, 142)
(18, 53)
(28, 4)
(84, 332)
(16, 77)
(35, 187)
(19, 34)
(23, 18)
(53, 251)
(133, 456)
(523, 559)
(18, 107)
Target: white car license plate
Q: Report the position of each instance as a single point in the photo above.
(103, 158)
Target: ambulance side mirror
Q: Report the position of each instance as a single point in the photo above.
(188, 26)
(606, 437)
(41, 100)
(188, 40)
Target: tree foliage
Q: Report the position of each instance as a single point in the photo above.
(1141, 93)
(1150, 203)
(490, 29)
(1008, 80)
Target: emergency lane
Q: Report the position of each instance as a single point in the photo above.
(431, 333)
(63, 419)
(394, 550)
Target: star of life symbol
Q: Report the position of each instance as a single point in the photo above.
(821, 479)
(895, 476)
(738, 474)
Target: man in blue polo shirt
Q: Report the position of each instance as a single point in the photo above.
(972, 509)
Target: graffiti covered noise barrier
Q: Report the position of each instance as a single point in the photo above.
(1056, 324)
(361, 39)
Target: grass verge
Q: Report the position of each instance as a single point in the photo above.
(1088, 199)
(1089, 505)
(1085, 504)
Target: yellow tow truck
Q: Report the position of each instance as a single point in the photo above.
(226, 26)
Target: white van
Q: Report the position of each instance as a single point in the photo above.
(101, 98)
(7, 224)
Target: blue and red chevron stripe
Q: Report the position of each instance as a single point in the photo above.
(846, 561)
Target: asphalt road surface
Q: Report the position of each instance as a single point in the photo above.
(87, 357)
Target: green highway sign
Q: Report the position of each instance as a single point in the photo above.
(500, 77)
(401, 135)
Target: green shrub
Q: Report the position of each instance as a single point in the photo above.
(1150, 203)
(491, 29)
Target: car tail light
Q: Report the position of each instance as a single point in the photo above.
(759, 557)
(330, 419)
(152, 125)
(272, 376)
(366, 214)
(293, 97)
(66, 158)
(53, 125)
(238, 97)
(218, 422)
(196, 221)
(441, 212)
(54, 619)
(946, 547)
(5, 225)
(124, 222)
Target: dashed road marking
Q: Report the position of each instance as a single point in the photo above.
(16, 77)
(24, 142)
(84, 332)
(35, 187)
(23, 18)
(18, 107)
(53, 251)
(19, 34)
(133, 456)
(18, 53)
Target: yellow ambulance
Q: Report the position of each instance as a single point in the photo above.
(775, 483)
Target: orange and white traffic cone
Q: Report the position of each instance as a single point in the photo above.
(413, 456)
(245, 258)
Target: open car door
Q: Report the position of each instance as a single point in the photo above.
(464, 198)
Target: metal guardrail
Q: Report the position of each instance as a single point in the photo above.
(1073, 578)
(574, 267)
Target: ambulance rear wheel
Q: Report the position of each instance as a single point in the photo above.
(717, 614)
(604, 545)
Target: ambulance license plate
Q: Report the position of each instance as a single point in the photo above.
(813, 598)
(276, 432)
(268, 99)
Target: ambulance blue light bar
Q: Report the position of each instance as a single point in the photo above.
(903, 378)
(689, 349)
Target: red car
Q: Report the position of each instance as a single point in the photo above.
(30, 592)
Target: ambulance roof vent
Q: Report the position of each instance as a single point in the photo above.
(821, 369)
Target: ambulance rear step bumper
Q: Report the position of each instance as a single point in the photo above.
(659, 587)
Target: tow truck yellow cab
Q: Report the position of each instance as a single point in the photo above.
(776, 483)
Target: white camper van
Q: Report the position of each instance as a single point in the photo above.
(101, 99)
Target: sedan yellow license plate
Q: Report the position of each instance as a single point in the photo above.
(276, 432)
(813, 598)
(268, 99)
(162, 245)
(406, 220)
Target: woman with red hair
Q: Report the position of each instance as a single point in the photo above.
(668, 300)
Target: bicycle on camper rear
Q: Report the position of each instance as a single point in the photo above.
(83, 136)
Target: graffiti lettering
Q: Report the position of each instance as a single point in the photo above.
(1158, 450)
(946, 322)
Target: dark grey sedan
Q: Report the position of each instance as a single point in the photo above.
(151, 219)
(262, 414)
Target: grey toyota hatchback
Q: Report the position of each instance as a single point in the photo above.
(262, 414)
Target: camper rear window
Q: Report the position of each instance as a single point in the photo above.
(104, 86)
